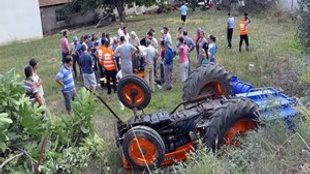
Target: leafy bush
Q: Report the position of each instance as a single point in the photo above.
(303, 31)
(71, 141)
(257, 6)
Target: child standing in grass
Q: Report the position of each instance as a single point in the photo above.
(30, 87)
(38, 81)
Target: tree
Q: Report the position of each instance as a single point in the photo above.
(108, 5)
(303, 32)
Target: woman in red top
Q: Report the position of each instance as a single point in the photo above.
(162, 55)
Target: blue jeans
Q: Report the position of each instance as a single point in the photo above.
(64, 56)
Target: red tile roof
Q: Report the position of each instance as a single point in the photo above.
(45, 3)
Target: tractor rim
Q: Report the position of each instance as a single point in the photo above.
(148, 149)
(127, 93)
(240, 127)
(215, 87)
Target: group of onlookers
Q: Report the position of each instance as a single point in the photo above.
(107, 59)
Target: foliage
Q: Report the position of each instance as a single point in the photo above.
(257, 6)
(71, 140)
(303, 31)
(108, 5)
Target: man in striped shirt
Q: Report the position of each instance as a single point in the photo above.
(65, 79)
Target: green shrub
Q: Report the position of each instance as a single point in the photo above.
(303, 31)
(71, 141)
(257, 6)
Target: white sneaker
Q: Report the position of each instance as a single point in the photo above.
(159, 87)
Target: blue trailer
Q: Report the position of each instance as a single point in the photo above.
(273, 103)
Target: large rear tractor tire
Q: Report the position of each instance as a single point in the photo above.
(142, 147)
(208, 78)
(233, 119)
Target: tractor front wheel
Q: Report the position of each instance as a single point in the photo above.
(143, 147)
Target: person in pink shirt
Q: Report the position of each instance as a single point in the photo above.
(182, 51)
(64, 46)
(199, 30)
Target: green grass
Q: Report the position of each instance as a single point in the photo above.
(271, 44)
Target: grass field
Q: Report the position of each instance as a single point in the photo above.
(272, 49)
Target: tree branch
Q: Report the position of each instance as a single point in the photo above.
(10, 159)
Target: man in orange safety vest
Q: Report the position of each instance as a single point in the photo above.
(243, 27)
(106, 59)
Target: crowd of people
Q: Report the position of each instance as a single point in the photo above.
(107, 59)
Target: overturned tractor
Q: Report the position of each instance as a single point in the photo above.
(162, 138)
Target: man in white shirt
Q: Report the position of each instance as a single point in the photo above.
(151, 54)
(230, 28)
(183, 10)
(167, 36)
(120, 30)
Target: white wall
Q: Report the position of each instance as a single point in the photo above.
(19, 20)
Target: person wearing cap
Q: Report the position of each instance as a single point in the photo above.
(183, 10)
(88, 43)
(64, 46)
(65, 79)
(168, 65)
(243, 28)
(125, 51)
(151, 54)
(74, 53)
(37, 80)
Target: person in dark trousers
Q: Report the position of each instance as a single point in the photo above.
(243, 27)
(75, 55)
(88, 74)
(230, 29)
(183, 10)
(107, 61)
(64, 46)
